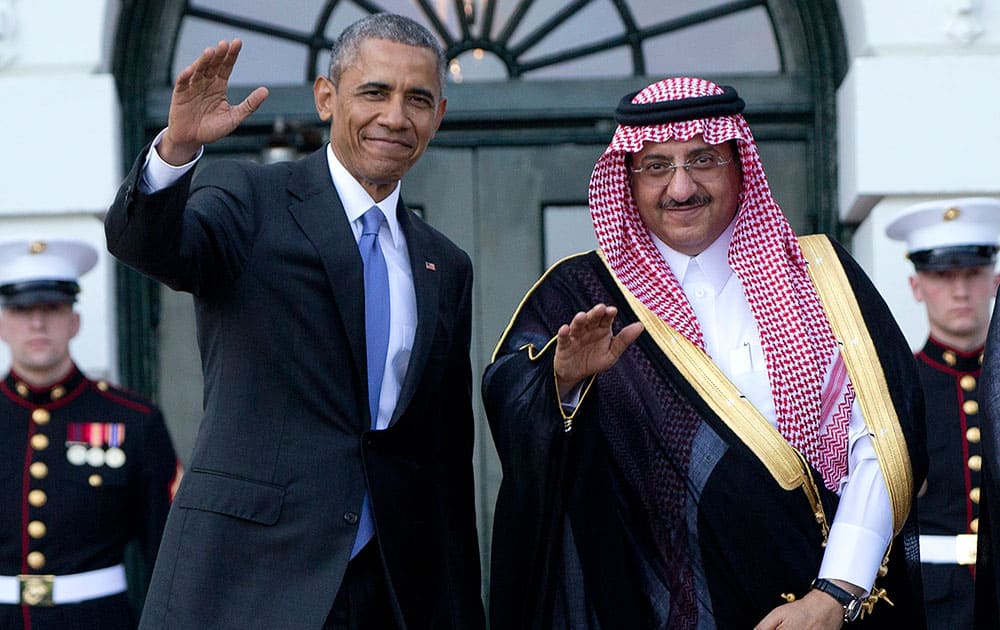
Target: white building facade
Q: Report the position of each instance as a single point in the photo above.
(917, 121)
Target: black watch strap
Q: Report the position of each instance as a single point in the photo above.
(850, 602)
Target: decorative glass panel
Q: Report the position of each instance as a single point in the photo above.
(287, 43)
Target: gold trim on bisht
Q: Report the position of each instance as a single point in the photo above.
(788, 467)
(866, 373)
(532, 354)
(535, 355)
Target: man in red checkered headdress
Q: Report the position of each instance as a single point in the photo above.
(705, 422)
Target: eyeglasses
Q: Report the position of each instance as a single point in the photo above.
(704, 168)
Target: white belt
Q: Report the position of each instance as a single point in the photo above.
(959, 549)
(49, 590)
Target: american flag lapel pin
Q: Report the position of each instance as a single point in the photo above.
(429, 266)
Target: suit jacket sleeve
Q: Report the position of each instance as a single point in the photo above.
(190, 237)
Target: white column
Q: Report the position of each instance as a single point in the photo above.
(917, 121)
(61, 157)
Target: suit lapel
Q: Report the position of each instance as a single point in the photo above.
(317, 209)
(426, 280)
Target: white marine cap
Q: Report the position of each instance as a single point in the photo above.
(949, 233)
(43, 271)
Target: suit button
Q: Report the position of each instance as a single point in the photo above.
(39, 441)
(970, 407)
(37, 498)
(36, 560)
(351, 518)
(369, 441)
(39, 470)
(37, 529)
(41, 416)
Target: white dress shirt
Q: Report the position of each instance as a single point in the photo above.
(862, 527)
(158, 175)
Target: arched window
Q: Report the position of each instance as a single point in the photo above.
(497, 40)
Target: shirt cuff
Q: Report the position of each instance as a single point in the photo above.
(853, 554)
(157, 174)
(572, 399)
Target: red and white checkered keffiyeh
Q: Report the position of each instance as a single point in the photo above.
(799, 347)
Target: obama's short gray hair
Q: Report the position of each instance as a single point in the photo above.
(388, 26)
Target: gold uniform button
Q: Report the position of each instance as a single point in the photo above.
(38, 470)
(975, 463)
(36, 560)
(37, 529)
(974, 526)
(970, 407)
(22, 389)
(41, 416)
(972, 434)
(967, 382)
(102, 385)
(37, 498)
(949, 357)
(39, 441)
(95, 481)
(974, 495)
(57, 392)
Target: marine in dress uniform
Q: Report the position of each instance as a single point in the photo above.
(85, 467)
(952, 245)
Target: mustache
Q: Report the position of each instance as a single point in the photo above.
(696, 200)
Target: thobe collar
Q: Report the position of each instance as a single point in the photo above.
(713, 261)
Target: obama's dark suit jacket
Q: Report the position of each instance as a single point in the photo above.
(261, 529)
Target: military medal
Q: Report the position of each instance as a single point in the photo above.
(114, 457)
(95, 437)
(76, 453)
(95, 456)
(76, 448)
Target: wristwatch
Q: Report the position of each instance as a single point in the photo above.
(850, 602)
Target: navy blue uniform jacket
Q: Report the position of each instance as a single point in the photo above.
(262, 526)
(62, 515)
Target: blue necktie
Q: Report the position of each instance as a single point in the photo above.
(376, 338)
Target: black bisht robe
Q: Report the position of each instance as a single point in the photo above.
(650, 512)
(987, 604)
